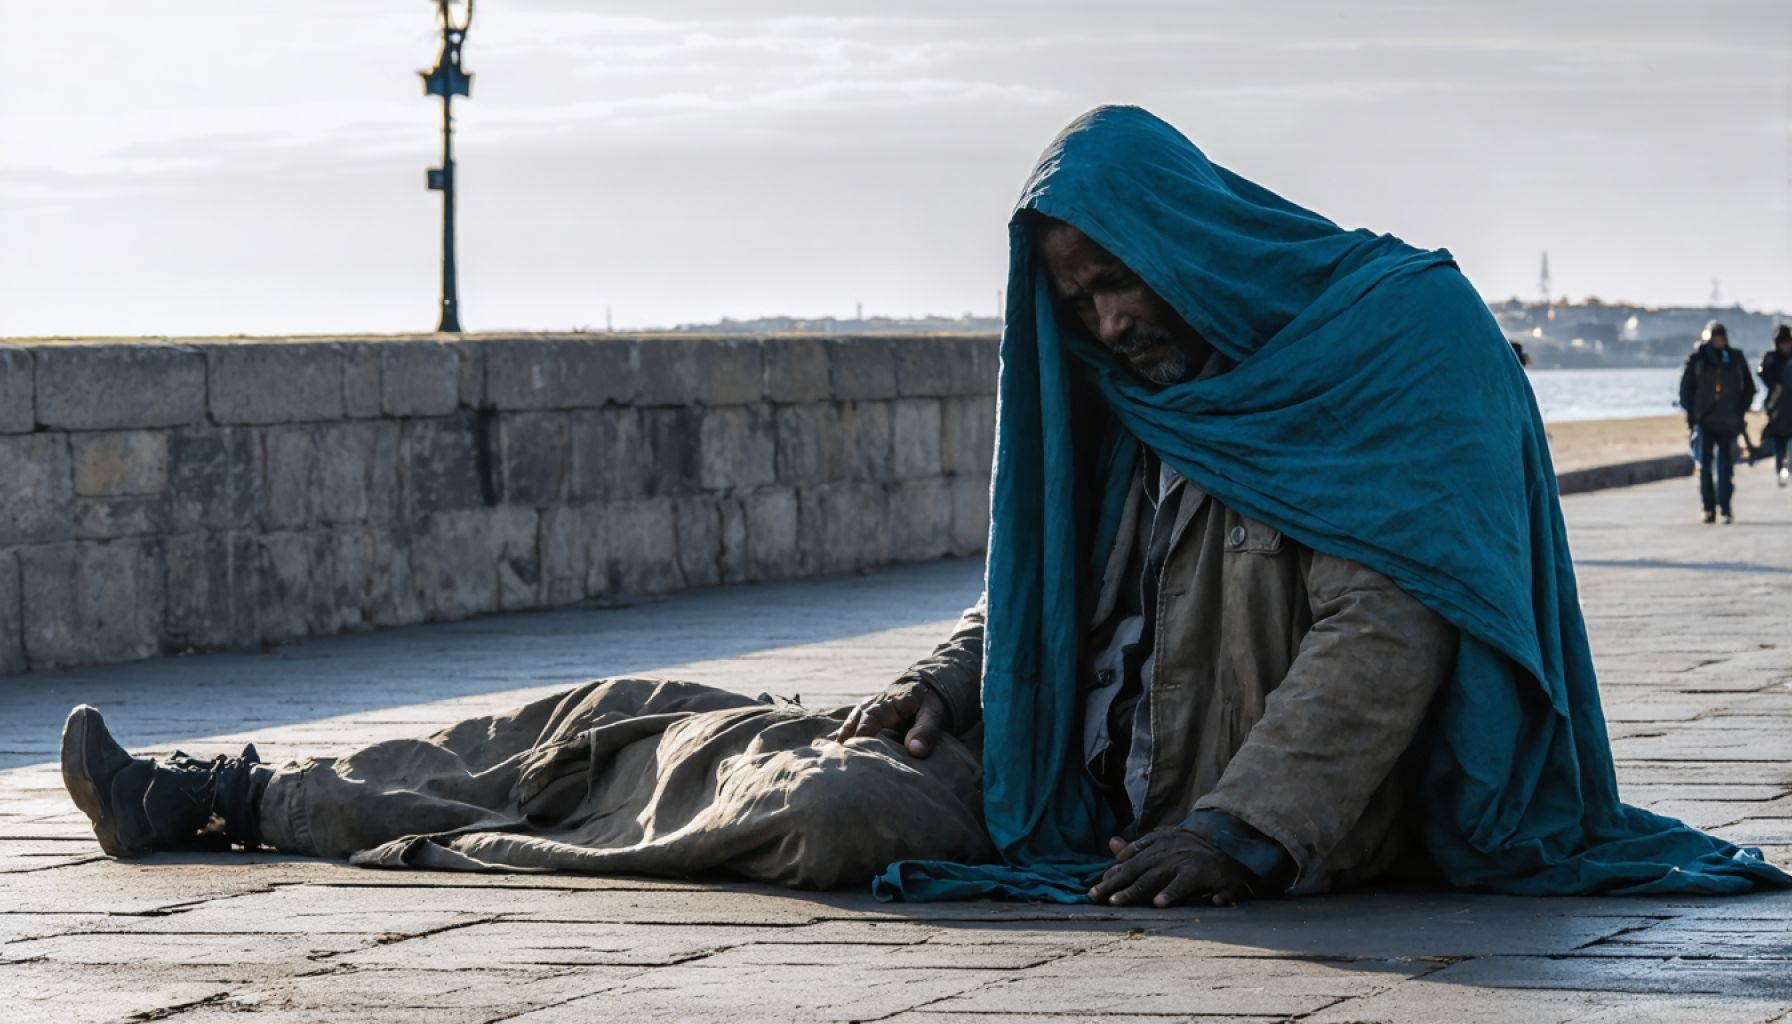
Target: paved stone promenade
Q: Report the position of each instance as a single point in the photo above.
(1692, 626)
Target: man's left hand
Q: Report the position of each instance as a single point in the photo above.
(1169, 866)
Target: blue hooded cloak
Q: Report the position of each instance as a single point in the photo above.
(1375, 413)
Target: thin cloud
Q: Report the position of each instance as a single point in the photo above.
(816, 97)
(1600, 49)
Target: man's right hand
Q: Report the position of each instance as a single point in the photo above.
(908, 706)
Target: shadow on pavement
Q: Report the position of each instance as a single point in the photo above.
(168, 700)
(1656, 563)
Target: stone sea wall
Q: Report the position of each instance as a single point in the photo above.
(161, 497)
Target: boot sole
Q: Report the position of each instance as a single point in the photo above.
(81, 787)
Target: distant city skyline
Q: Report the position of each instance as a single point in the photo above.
(220, 168)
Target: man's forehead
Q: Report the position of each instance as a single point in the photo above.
(1068, 240)
(1071, 255)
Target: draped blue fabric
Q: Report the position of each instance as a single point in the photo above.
(1375, 412)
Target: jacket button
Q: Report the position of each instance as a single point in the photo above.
(1236, 537)
(1105, 676)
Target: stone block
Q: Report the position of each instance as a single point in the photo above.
(860, 445)
(213, 591)
(986, 366)
(476, 561)
(349, 550)
(920, 519)
(334, 473)
(970, 515)
(384, 480)
(535, 463)
(569, 536)
(807, 440)
(113, 463)
(672, 451)
(214, 477)
(733, 559)
(796, 370)
(441, 464)
(91, 602)
(369, 579)
(560, 373)
(640, 548)
(296, 586)
(924, 367)
(391, 592)
(512, 537)
(134, 515)
(419, 378)
(700, 371)
(968, 435)
(738, 449)
(609, 457)
(938, 367)
(914, 438)
(570, 542)
(361, 380)
(18, 401)
(842, 527)
(862, 369)
(472, 373)
(276, 382)
(38, 489)
(48, 589)
(12, 620)
(667, 371)
(118, 386)
(771, 519)
(698, 523)
(292, 470)
(451, 566)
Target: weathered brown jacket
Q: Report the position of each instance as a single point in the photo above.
(1286, 686)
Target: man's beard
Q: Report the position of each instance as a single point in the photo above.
(1168, 371)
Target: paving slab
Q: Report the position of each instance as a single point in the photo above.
(774, 992)
(1094, 984)
(1726, 936)
(1764, 979)
(78, 993)
(1432, 999)
(1048, 1017)
(1688, 624)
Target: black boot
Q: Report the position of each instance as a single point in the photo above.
(138, 804)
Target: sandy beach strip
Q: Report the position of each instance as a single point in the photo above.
(1584, 444)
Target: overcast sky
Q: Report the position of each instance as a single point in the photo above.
(242, 166)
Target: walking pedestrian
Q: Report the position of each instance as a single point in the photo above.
(1716, 391)
(1776, 380)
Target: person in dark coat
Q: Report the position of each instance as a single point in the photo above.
(1716, 391)
(1776, 381)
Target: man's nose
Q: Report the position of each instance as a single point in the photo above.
(1113, 322)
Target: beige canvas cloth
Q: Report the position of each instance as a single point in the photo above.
(637, 776)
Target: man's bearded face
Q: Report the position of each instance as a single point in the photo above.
(1117, 308)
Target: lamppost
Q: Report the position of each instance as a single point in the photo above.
(447, 80)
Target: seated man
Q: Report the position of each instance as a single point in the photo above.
(1278, 598)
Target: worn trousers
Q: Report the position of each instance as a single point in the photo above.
(1781, 444)
(1717, 470)
(638, 776)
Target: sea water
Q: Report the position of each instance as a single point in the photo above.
(1607, 394)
